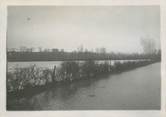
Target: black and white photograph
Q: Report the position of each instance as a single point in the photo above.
(83, 58)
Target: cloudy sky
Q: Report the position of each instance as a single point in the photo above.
(117, 28)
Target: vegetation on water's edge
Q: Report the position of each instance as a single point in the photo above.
(31, 77)
(68, 56)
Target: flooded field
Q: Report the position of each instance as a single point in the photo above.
(137, 89)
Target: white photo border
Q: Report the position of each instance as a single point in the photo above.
(98, 113)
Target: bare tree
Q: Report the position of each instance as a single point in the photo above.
(102, 50)
(40, 49)
(23, 49)
(148, 45)
(80, 48)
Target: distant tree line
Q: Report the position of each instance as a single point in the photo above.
(64, 56)
(150, 51)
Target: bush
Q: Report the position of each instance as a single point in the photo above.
(32, 76)
(69, 70)
(89, 68)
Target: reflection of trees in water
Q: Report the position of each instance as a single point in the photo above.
(58, 93)
(67, 91)
(19, 104)
(61, 93)
(40, 100)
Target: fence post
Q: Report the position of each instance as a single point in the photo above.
(53, 74)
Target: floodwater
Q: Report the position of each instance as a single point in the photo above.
(137, 89)
(50, 64)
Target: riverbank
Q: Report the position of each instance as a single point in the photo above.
(136, 89)
(24, 80)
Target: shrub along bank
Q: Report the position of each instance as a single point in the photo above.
(31, 77)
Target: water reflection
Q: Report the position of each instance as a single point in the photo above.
(59, 93)
(59, 97)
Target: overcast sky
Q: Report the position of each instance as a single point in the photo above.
(117, 28)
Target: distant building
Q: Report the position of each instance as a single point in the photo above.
(55, 50)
